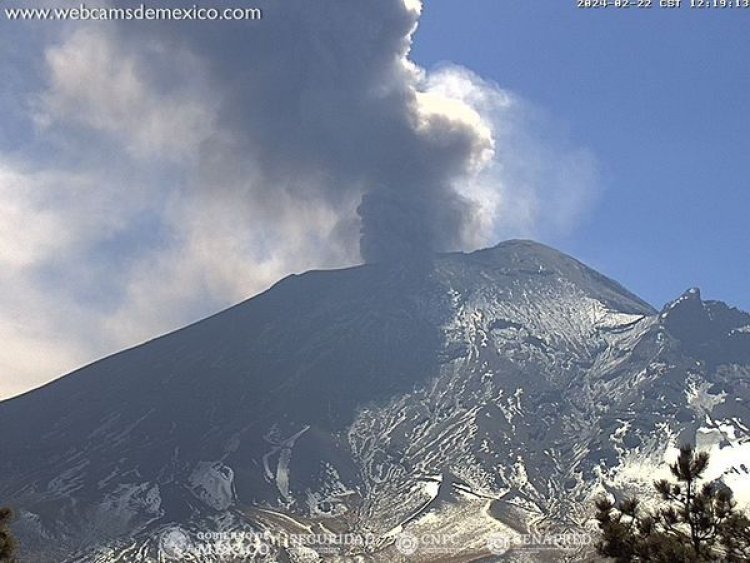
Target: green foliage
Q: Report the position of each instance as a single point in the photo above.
(7, 541)
(695, 522)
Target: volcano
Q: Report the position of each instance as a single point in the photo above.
(465, 396)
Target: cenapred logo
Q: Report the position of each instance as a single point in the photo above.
(174, 543)
(498, 544)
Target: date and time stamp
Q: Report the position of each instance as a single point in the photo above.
(665, 4)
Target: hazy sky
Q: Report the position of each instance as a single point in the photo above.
(661, 98)
(151, 174)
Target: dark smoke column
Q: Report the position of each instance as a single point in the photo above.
(335, 112)
(410, 224)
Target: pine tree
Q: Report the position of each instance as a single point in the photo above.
(696, 521)
(7, 541)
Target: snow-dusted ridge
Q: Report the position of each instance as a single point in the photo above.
(483, 393)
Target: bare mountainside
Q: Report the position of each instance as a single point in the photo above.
(477, 394)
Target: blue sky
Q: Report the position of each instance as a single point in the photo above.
(661, 97)
(154, 173)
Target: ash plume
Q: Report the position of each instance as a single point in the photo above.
(336, 112)
(222, 156)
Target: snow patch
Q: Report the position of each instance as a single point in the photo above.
(698, 397)
(213, 484)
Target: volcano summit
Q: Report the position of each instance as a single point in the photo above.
(473, 394)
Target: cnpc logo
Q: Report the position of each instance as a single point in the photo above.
(409, 544)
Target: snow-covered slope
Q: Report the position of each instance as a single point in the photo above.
(485, 393)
